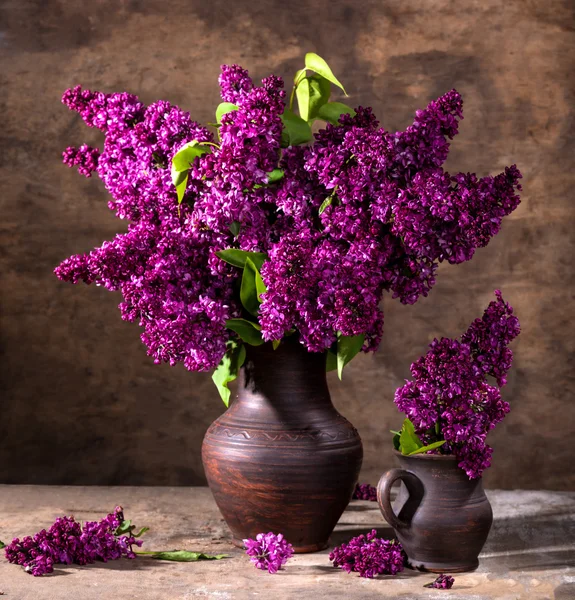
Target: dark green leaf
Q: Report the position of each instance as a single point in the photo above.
(332, 111)
(316, 63)
(408, 439)
(275, 344)
(396, 441)
(2, 545)
(302, 94)
(182, 555)
(228, 369)
(319, 93)
(180, 179)
(248, 331)
(297, 131)
(275, 175)
(224, 108)
(431, 446)
(325, 203)
(331, 361)
(237, 258)
(248, 289)
(235, 227)
(141, 532)
(347, 347)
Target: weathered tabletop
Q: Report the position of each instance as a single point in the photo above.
(530, 553)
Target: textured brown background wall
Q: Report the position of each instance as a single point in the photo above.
(82, 404)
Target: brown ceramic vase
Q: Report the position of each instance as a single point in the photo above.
(441, 517)
(281, 458)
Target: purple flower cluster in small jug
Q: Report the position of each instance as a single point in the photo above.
(67, 542)
(449, 397)
(369, 556)
(269, 551)
(357, 212)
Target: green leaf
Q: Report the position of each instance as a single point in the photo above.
(331, 361)
(429, 447)
(260, 286)
(408, 439)
(299, 76)
(326, 203)
(181, 162)
(319, 93)
(395, 432)
(141, 532)
(275, 344)
(275, 175)
(347, 347)
(235, 227)
(224, 108)
(248, 331)
(296, 130)
(396, 441)
(248, 289)
(238, 258)
(228, 369)
(302, 94)
(125, 527)
(186, 155)
(316, 63)
(2, 545)
(332, 111)
(180, 180)
(182, 555)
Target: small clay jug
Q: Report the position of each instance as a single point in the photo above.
(281, 458)
(441, 517)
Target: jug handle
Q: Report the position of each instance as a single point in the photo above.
(416, 491)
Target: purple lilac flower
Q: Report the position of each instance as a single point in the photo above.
(364, 491)
(269, 551)
(443, 582)
(67, 542)
(369, 556)
(392, 215)
(449, 397)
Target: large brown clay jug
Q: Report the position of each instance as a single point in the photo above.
(281, 458)
(441, 517)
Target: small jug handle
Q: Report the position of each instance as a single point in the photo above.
(416, 491)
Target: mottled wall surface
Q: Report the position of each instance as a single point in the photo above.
(82, 403)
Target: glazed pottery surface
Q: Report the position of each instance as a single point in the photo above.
(440, 516)
(281, 458)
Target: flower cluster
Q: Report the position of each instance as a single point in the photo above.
(369, 556)
(269, 551)
(364, 491)
(443, 582)
(449, 397)
(67, 542)
(358, 212)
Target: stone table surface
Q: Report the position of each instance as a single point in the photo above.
(530, 553)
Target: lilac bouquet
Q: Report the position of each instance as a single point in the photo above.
(264, 229)
(449, 405)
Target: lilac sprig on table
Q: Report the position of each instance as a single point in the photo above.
(67, 542)
(449, 404)
(266, 230)
(369, 556)
(365, 491)
(269, 551)
(443, 582)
